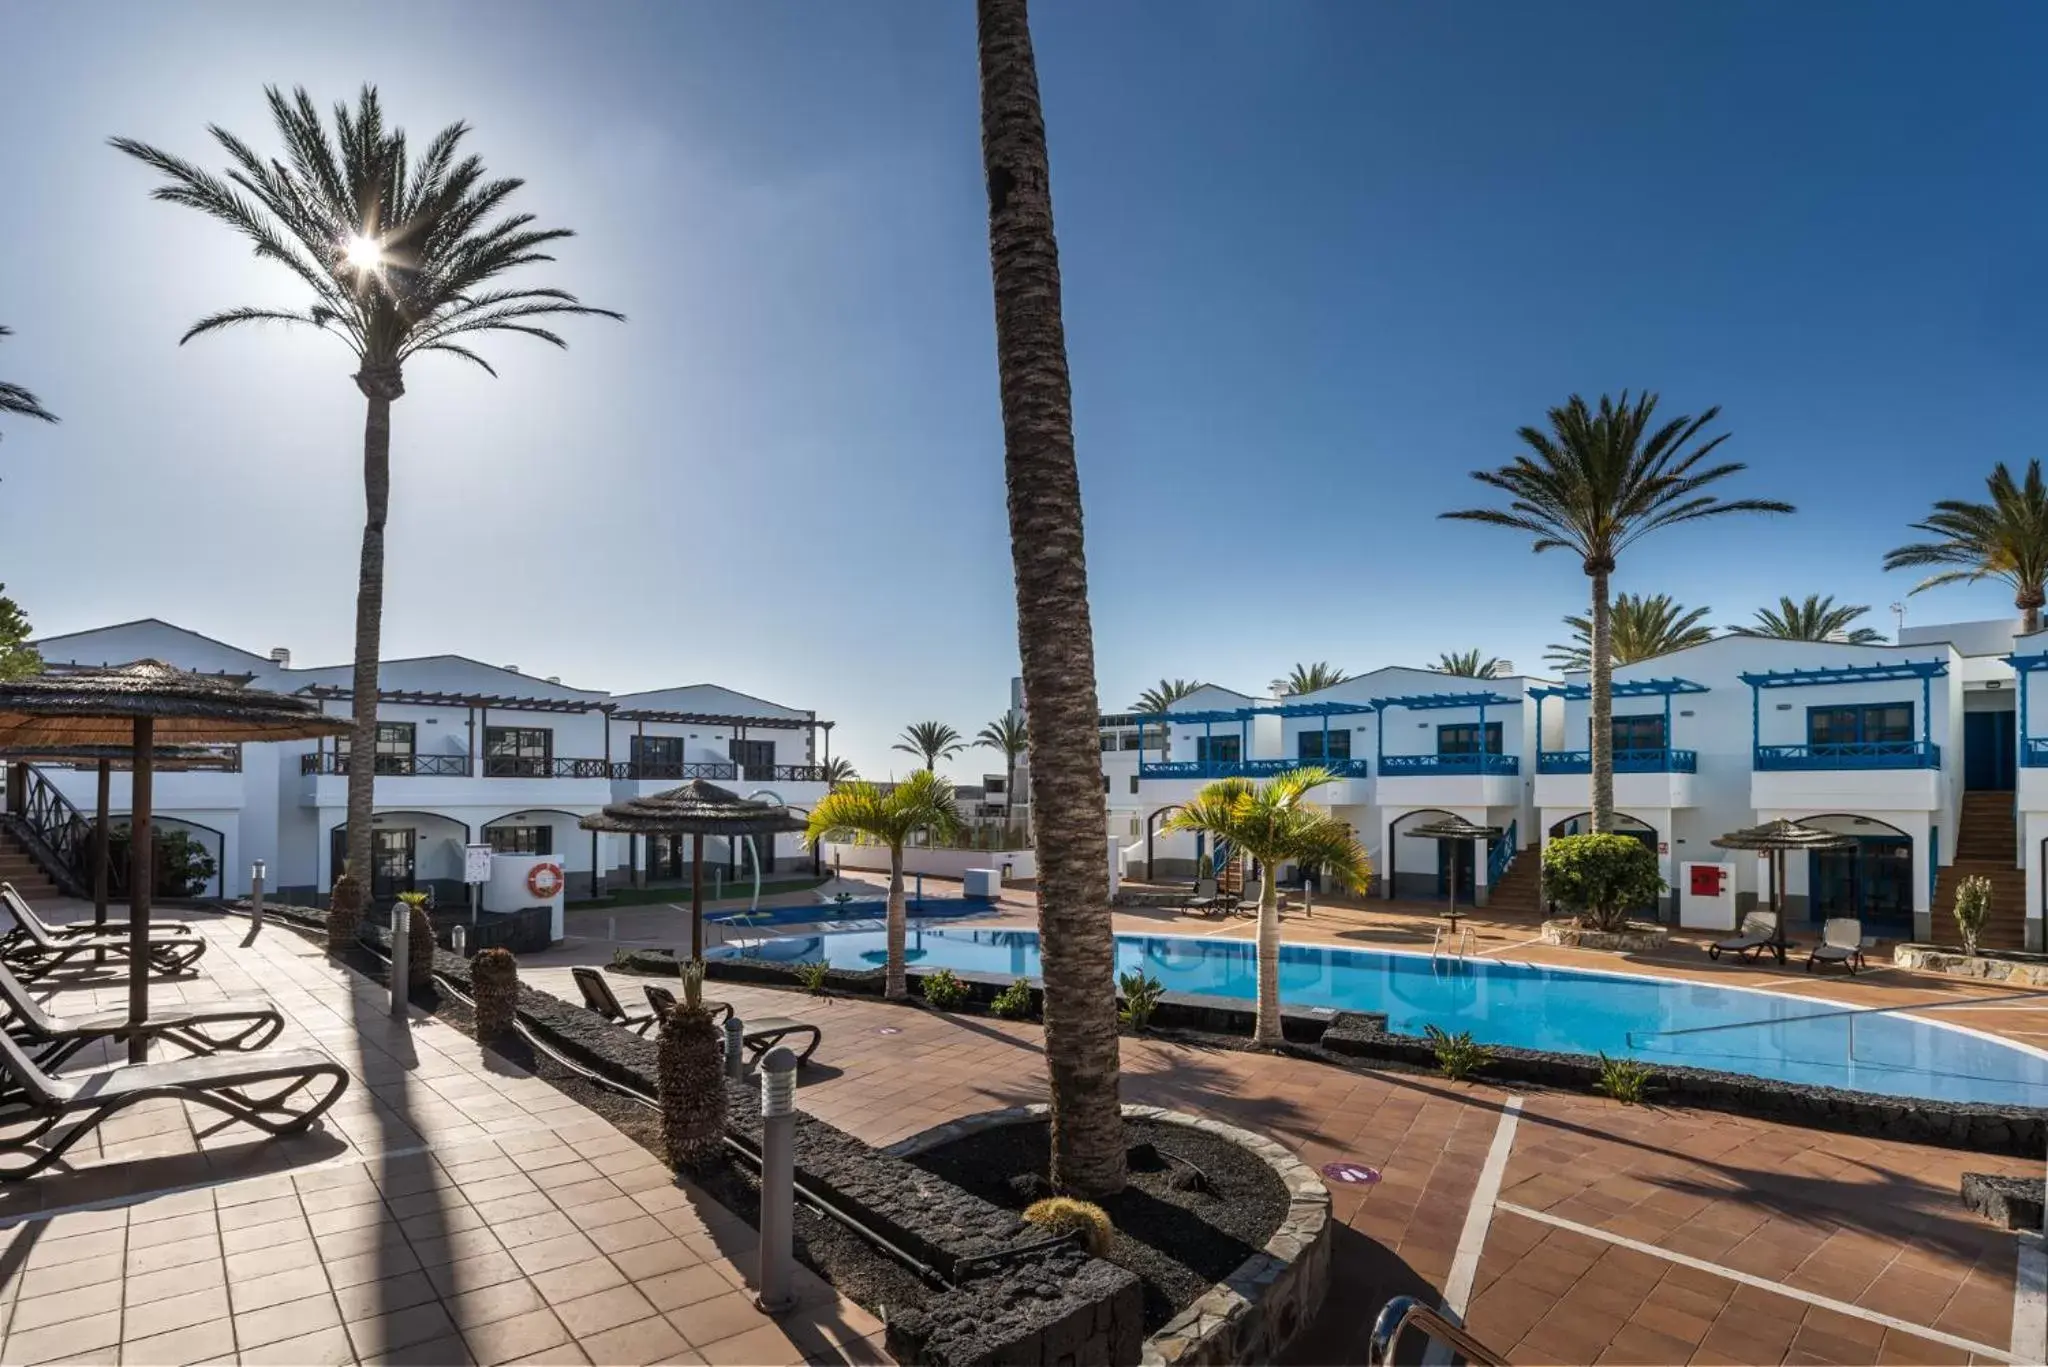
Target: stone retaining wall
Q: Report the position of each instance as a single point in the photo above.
(1637, 938)
(2021, 970)
(2014, 1202)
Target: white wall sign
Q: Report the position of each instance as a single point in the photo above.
(476, 863)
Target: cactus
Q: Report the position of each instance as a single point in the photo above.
(344, 912)
(691, 1063)
(419, 950)
(495, 975)
(1973, 909)
(1064, 1215)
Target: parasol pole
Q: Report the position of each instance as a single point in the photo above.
(99, 855)
(141, 876)
(697, 895)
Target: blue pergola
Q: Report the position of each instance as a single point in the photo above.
(1667, 689)
(1853, 754)
(2024, 665)
(1430, 702)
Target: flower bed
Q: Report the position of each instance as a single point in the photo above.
(1638, 937)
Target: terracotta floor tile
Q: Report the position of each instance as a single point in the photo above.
(719, 1317)
(86, 1338)
(489, 1304)
(518, 1337)
(632, 1345)
(213, 1341)
(327, 1347)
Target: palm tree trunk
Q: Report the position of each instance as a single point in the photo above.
(1601, 742)
(1053, 631)
(1266, 1032)
(2029, 601)
(895, 988)
(380, 385)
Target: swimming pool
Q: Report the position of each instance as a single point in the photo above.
(1659, 1020)
(862, 909)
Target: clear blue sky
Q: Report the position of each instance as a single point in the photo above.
(1321, 260)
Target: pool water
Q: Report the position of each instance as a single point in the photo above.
(864, 909)
(1658, 1020)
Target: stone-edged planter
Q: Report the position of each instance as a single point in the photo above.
(1990, 965)
(1639, 937)
(2010, 1202)
(1253, 1314)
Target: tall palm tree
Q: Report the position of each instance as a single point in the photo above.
(1467, 664)
(2006, 538)
(1274, 823)
(930, 741)
(1595, 484)
(1054, 634)
(399, 259)
(1816, 619)
(1309, 679)
(1640, 628)
(1009, 734)
(839, 770)
(1166, 693)
(924, 801)
(15, 399)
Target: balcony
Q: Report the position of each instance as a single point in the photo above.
(1861, 754)
(531, 766)
(1428, 766)
(2035, 755)
(788, 773)
(389, 766)
(675, 771)
(1657, 761)
(1248, 768)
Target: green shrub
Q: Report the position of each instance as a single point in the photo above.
(1141, 998)
(1973, 909)
(1601, 878)
(943, 991)
(183, 865)
(1013, 1002)
(1457, 1057)
(1624, 1079)
(1064, 1215)
(813, 976)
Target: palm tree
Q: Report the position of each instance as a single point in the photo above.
(1274, 823)
(399, 260)
(1467, 665)
(1008, 734)
(2006, 538)
(924, 801)
(1054, 635)
(15, 399)
(1309, 679)
(1816, 619)
(931, 741)
(1165, 694)
(839, 770)
(1595, 484)
(1640, 627)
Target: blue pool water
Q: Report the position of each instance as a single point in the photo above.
(1659, 1020)
(872, 909)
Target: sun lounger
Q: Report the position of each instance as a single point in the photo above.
(1248, 900)
(33, 951)
(50, 1040)
(599, 997)
(18, 904)
(1759, 932)
(767, 1032)
(1203, 899)
(257, 1089)
(663, 1001)
(1841, 942)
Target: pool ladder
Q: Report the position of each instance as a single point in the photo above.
(1452, 942)
(1445, 1338)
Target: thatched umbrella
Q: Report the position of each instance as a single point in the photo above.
(1775, 838)
(140, 706)
(696, 809)
(1460, 833)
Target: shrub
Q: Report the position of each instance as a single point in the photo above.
(419, 945)
(494, 973)
(1457, 1057)
(1973, 909)
(1064, 1215)
(344, 912)
(813, 976)
(1141, 998)
(943, 991)
(1624, 1079)
(1013, 1002)
(1601, 878)
(183, 866)
(691, 1076)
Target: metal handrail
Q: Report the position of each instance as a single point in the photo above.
(643, 769)
(1405, 1312)
(60, 828)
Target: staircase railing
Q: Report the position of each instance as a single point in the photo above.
(1501, 854)
(57, 834)
(1404, 1313)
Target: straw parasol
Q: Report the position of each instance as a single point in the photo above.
(140, 706)
(696, 809)
(1775, 838)
(1460, 832)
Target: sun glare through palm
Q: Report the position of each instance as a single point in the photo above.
(364, 253)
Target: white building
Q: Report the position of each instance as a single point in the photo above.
(466, 752)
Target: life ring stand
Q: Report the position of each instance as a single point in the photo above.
(544, 881)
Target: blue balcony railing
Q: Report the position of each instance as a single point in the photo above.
(1657, 761)
(1408, 766)
(1501, 853)
(1856, 754)
(1247, 768)
(2035, 755)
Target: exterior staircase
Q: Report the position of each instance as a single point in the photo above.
(1520, 890)
(19, 867)
(1987, 845)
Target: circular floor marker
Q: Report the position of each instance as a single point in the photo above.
(1351, 1174)
(889, 1030)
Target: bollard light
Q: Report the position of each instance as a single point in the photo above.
(735, 1039)
(401, 949)
(458, 940)
(778, 1083)
(256, 872)
(778, 1180)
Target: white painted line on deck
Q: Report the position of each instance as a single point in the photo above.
(1776, 1288)
(1478, 1219)
(2030, 1300)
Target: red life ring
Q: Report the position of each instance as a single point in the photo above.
(544, 880)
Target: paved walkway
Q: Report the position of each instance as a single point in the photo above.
(451, 1209)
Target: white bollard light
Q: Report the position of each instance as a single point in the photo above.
(401, 946)
(735, 1040)
(256, 873)
(458, 940)
(778, 1179)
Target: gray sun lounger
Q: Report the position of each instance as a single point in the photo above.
(1841, 942)
(19, 905)
(758, 1035)
(257, 1089)
(50, 1040)
(662, 1001)
(599, 997)
(1759, 932)
(37, 951)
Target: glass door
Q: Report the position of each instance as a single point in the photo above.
(391, 863)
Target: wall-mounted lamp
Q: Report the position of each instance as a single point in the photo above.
(1994, 683)
(1784, 707)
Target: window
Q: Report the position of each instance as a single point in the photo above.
(1222, 749)
(1309, 745)
(1109, 741)
(1105, 783)
(523, 751)
(394, 747)
(1641, 732)
(1132, 739)
(1462, 738)
(1134, 783)
(994, 787)
(521, 839)
(1890, 723)
(657, 750)
(757, 757)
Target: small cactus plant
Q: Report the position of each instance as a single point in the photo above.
(419, 949)
(691, 1064)
(1973, 909)
(1064, 1215)
(495, 974)
(344, 912)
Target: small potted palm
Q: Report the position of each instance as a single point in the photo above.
(419, 946)
(344, 912)
(494, 972)
(691, 1063)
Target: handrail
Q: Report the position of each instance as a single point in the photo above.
(415, 765)
(1849, 754)
(1405, 1312)
(1455, 762)
(1653, 760)
(673, 769)
(1501, 855)
(62, 831)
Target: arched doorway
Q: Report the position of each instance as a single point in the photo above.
(1425, 871)
(409, 852)
(1152, 823)
(1872, 881)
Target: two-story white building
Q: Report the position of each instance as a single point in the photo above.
(467, 752)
